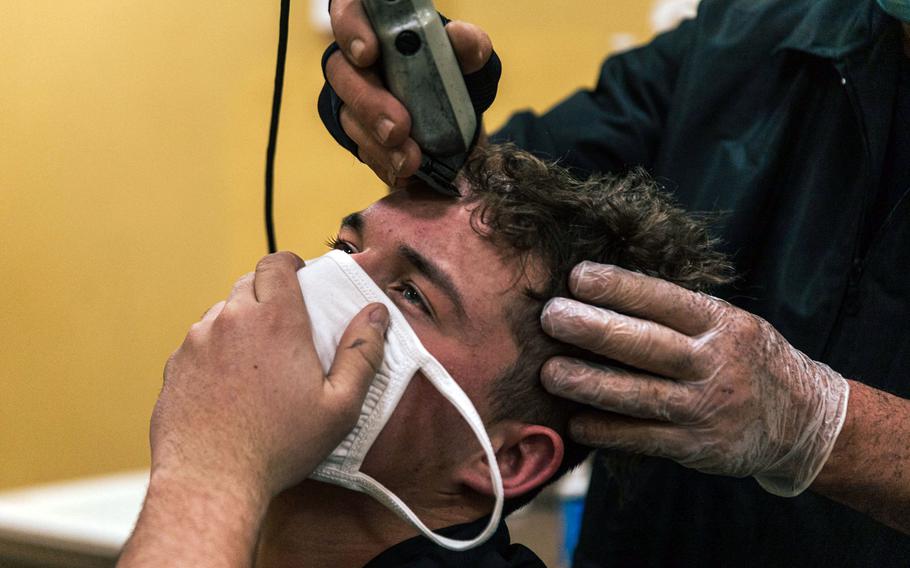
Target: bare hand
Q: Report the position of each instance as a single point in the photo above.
(718, 390)
(245, 401)
(371, 115)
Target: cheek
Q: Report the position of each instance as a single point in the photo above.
(423, 438)
(475, 366)
(426, 435)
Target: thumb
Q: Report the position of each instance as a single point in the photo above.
(358, 358)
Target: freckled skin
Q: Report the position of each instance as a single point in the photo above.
(426, 435)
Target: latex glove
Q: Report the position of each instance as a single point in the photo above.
(720, 390)
(371, 116)
(245, 402)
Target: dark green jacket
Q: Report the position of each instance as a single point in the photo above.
(778, 112)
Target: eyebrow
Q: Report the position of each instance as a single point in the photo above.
(432, 272)
(429, 269)
(353, 221)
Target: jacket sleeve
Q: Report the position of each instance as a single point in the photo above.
(619, 123)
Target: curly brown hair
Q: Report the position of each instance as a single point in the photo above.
(552, 221)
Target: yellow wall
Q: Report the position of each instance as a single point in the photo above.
(132, 137)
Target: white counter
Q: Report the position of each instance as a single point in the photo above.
(76, 523)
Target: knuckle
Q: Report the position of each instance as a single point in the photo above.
(266, 261)
(589, 277)
(285, 260)
(363, 103)
(483, 38)
(195, 330)
(565, 377)
(333, 66)
(751, 328)
(697, 356)
(341, 12)
(354, 129)
(685, 363)
(229, 320)
(678, 412)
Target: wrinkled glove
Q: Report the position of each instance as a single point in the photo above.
(698, 380)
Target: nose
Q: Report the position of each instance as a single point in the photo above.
(376, 264)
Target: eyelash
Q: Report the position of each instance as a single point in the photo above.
(337, 244)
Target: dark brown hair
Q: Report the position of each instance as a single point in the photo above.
(552, 221)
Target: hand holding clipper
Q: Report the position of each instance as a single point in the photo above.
(379, 112)
(420, 69)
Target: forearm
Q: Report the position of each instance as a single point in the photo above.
(869, 468)
(195, 523)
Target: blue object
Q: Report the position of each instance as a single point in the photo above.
(572, 511)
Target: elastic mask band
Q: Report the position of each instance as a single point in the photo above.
(447, 387)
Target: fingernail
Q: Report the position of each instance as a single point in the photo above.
(384, 129)
(552, 375)
(578, 429)
(578, 275)
(357, 47)
(582, 268)
(398, 160)
(546, 315)
(554, 307)
(379, 318)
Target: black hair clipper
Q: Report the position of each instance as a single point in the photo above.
(421, 70)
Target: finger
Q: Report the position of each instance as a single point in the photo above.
(604, 430)
(472, 45)
(370, 102)
(353, 32)
(617, 390)
(243, 288)
(644, 296)
(213, 312)
(388, 164)
(640, 343)
(276, 278)
(358, 358)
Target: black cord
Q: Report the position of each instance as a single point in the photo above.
(273, 124)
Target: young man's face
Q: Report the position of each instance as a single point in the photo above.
(454, 287)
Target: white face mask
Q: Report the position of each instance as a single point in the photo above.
(335, 289)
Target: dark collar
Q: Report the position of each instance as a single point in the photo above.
(498, 552)
(834, 29)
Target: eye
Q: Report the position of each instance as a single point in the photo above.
(412, 296)
(338, 244)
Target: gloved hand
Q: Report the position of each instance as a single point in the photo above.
(360, 112)
(245, 403)
(716, 388)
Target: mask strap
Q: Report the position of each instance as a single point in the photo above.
(448, 388)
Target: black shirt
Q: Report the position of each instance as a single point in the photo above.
(497, 552)
(786, 115)
(896, 167)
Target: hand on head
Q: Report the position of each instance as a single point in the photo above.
(718, 389)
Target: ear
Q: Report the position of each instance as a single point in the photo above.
(527, 455)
